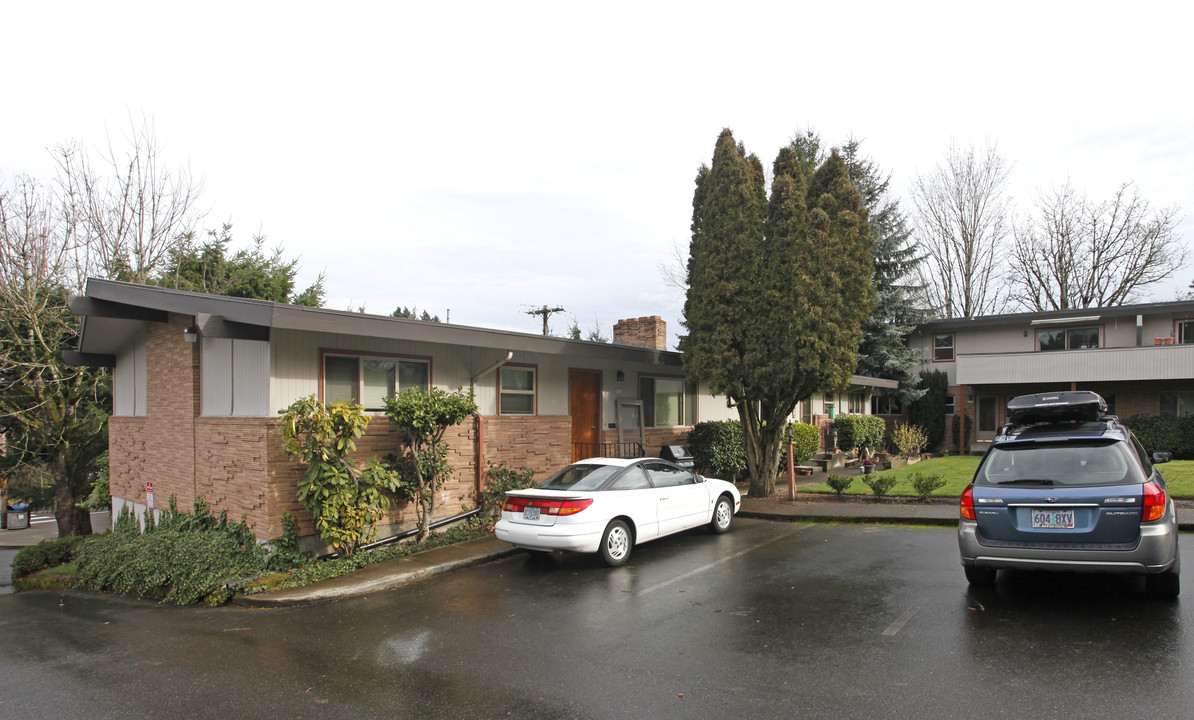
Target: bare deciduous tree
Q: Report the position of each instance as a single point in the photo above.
(1073, 253)
(962, 221)
(133, 211)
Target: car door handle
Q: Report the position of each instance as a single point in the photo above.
(662, 499)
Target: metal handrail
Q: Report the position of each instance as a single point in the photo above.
(583, 451)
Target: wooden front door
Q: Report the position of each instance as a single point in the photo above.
(584, 405)
(988, 417)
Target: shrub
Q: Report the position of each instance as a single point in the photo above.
(1171, 434)
(928, 411)
(839, 483)
(503, 478)
(805, 439)
(859, 431)
(880, 483)
(957, 436)
(285, 553)
(925, 484)
(908, 439)
(46, 553)
(717, 449)
(184, 558)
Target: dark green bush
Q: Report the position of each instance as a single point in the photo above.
(1171, 434)
(46, 553)
(839, 483)
(957, 436)
(285, 553)
(181, 558)
(925, 484)
(717, 449)
(929, 410)
(503, 478)
(859, 430)
(881, 483)
(805, 439)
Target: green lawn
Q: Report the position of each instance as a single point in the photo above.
(958, 470)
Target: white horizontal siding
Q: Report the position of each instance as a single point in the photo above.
(1164, 362)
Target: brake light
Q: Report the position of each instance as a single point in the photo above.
(546, 506)
(1154, 502)
(967, 505)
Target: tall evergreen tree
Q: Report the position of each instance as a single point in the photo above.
(884, 350)
(777, 288)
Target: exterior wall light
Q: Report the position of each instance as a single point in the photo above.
(190, 334)
(621, 376)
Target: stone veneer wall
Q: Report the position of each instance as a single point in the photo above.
(542, 443)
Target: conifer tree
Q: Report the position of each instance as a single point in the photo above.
(777, 289)
(884, 351)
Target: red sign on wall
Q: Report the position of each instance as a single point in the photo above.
(149, 495)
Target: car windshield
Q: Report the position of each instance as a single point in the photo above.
(1060, 463)
(580, 477)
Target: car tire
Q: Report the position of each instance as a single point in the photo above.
(616, 543)
(723, 515)
(980, 575)
(1163, 586)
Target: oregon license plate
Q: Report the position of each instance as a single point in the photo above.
(1050, 518)
(530, 513)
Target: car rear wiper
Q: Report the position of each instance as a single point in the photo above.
(1026, 481)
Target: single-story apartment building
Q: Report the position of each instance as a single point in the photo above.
(1139, 357)
(199, 381)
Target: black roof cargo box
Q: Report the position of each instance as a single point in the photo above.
(1069, 405)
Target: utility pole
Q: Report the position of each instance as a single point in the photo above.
(545, 312)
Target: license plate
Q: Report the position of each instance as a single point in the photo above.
(530, 513)
(1053, 518)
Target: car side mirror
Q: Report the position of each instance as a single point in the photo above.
(700, 478)
(1161, 456)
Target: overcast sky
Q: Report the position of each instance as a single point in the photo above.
(488, 157)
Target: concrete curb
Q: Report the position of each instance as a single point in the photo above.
(852, 519)
(384, 576)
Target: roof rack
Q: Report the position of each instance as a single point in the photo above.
(1071, 405)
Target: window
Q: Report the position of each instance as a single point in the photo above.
(1185, 332)
(517, 396)
(667, 401)
(369, 379)
(806, 410)
(1068, 338)
(886, 404)
(949, 404)
(857, 403)
(1177, 404)
(943, 348)
(667, 475)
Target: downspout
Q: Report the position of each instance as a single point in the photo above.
(472, 385)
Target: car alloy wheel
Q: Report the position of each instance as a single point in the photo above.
(723, 514)
(616, 543)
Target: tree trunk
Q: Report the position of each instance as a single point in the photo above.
(763, 446)
(72, 519)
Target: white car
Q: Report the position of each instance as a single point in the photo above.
(609, 505)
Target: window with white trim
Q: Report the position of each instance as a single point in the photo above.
(1185, 332)
(949, 404)
(517, 395)
(667, 401)
(857, 402)
(943, 348)
(369, 379)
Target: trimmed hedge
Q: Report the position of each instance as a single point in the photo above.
(1171, 434)
(856, 430)
(806, 438)
(717, 449)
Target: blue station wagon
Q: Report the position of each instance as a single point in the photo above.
(1067, 487)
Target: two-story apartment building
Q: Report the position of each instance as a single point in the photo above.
(1139, 357)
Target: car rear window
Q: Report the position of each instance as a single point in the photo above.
(580, 477)
(1060, 463)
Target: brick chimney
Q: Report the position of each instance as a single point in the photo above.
(645, 331)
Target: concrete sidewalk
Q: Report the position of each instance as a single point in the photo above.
(43, 526)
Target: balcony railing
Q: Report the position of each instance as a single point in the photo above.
(583, 451)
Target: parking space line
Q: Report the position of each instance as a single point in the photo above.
(714, 564)
(902, 620)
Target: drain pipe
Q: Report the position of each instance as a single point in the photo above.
(472, 384)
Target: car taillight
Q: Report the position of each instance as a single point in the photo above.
(967, 505)
(1154, 502)
(547, 507)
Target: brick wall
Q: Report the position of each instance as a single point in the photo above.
(542, 443)
(159, 447)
